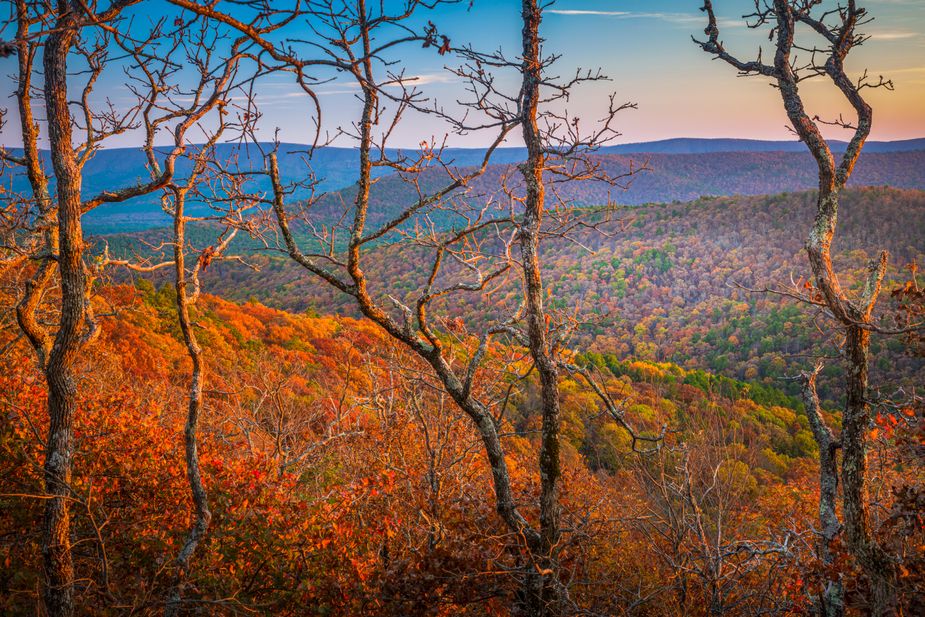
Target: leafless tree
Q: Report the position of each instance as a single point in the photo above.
(491, 239)
(45, 224)
(266, 411)
(694, 520)
(210, 94)
(837, 32)
(79, 38)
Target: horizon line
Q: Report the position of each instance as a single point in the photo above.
(623, 144)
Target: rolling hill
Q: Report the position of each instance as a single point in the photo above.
(688, 145)
(662, 279)
(306, 486)
(680, 169)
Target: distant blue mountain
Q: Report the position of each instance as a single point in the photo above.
(692, 145)
(335, 169)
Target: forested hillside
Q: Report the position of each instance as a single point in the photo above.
(549, 375)
(665, 279)
(671, 177)
(657, 178)
(343, 484)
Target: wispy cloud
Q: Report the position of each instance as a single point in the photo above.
(339, 88)
(892, 35)
(430, 78)
(674, 18)
(336, 92)
(584, 12)
(668, 17)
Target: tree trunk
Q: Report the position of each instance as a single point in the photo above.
(37, 334)
(201, 513)
(853, 316)
(59, 371)
(542, 583)
(831, 599)
(874, 561)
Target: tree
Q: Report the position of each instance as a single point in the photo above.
(469, 246)
(698, 523)
(199, 41)
(851, 314)
(78, 37)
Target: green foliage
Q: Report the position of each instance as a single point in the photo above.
(675, 301)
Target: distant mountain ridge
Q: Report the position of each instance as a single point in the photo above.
(669, 178)
(698, 145)
(682, 169)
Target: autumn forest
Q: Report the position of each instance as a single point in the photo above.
(343, 307)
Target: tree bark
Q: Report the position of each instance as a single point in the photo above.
(875, 562)
(35, 332)
(59, 370)
(831, 600)
(541, 584)
(201, 513)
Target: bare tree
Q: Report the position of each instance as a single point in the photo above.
(208, 182)
(82, 38)
(837, 28)
(218, 73)
(265, 410)
(695, 521)
(45, 226)
(358, 41)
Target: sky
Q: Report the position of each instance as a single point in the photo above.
(644, 46)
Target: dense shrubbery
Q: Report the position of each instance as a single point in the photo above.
(328, 499)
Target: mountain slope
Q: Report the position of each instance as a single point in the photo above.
(664, 276)
(690, 145)
(681, 169)
(669, 178)
(323, 501)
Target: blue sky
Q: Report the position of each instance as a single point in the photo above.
(645, 47)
